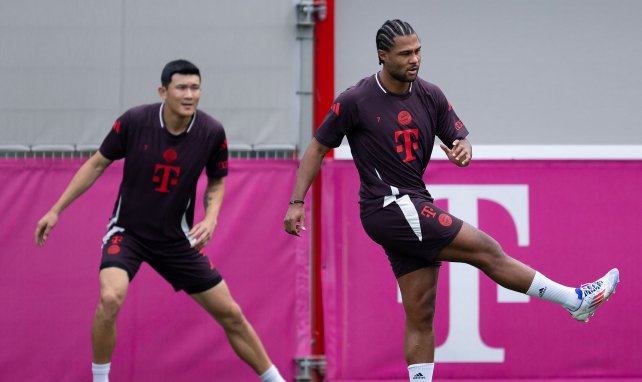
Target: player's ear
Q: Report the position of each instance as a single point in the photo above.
(383, 55)
(162, 92)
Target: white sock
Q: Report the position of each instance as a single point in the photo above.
(272, 375)
(421, 372)
(551, 291)
(100, 371)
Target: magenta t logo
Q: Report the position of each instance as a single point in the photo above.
(409, 142)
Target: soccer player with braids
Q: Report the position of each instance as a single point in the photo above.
(166, 147)
(391, 120)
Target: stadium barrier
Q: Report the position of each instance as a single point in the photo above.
(572, 220)
(48, 295)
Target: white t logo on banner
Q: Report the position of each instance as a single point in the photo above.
(464, 343)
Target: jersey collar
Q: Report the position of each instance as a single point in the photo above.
(162, 123)
(376, 76)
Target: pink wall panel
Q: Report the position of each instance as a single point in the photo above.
(48, 294)
(572, 221)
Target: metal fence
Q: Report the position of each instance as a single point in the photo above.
(73, 151)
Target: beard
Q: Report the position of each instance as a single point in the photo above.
(401, 73)
(404, 76)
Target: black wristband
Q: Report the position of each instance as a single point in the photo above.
(292, 202)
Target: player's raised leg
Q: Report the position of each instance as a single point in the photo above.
(218, 302)
(114, 283)
(474, 247)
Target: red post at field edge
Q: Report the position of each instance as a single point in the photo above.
(323, 96)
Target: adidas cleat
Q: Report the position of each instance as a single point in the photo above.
(594, 294)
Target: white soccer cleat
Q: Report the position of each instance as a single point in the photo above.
(594, 294)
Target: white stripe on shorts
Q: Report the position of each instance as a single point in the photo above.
(407, 208)
(410, 213)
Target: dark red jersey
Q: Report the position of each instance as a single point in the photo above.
(391, 136)
(158, 190)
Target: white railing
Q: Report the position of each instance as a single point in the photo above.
(85, 151)
(536, 152)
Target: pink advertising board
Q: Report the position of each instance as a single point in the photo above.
(48, 295)
(571, 220)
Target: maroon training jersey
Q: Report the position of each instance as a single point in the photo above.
(391, 136)
(161, 170)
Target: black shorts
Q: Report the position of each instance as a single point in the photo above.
(181, 265)
(412, 231)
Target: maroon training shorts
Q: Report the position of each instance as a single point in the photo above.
(177, 262)
(412, 231)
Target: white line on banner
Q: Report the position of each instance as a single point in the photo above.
(535, 152)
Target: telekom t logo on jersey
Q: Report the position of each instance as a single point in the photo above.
(407, 141)
(166, 175)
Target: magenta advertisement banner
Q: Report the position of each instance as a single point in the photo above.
(571, 220)
(48, 295)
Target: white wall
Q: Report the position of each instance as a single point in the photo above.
(69, 68)
(534, 72)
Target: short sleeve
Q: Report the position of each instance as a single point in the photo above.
(115, 143)
(216, 166)
(449, 126)
(337, 123)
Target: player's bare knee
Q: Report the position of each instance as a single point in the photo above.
(490, 253)
(232, 318)
(110, 303)
(420, 318)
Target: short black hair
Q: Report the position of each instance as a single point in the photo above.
(388, 31)
(180, 67)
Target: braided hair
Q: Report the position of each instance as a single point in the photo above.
(389, 30)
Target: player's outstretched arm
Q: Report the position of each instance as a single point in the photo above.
(461, 154)
(202, 232)
(82, 180)
(308, 169)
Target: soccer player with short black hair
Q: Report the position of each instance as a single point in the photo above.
(166, 146)
(391, 120)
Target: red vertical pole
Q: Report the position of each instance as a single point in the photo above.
(323, 96)
(324, 66)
